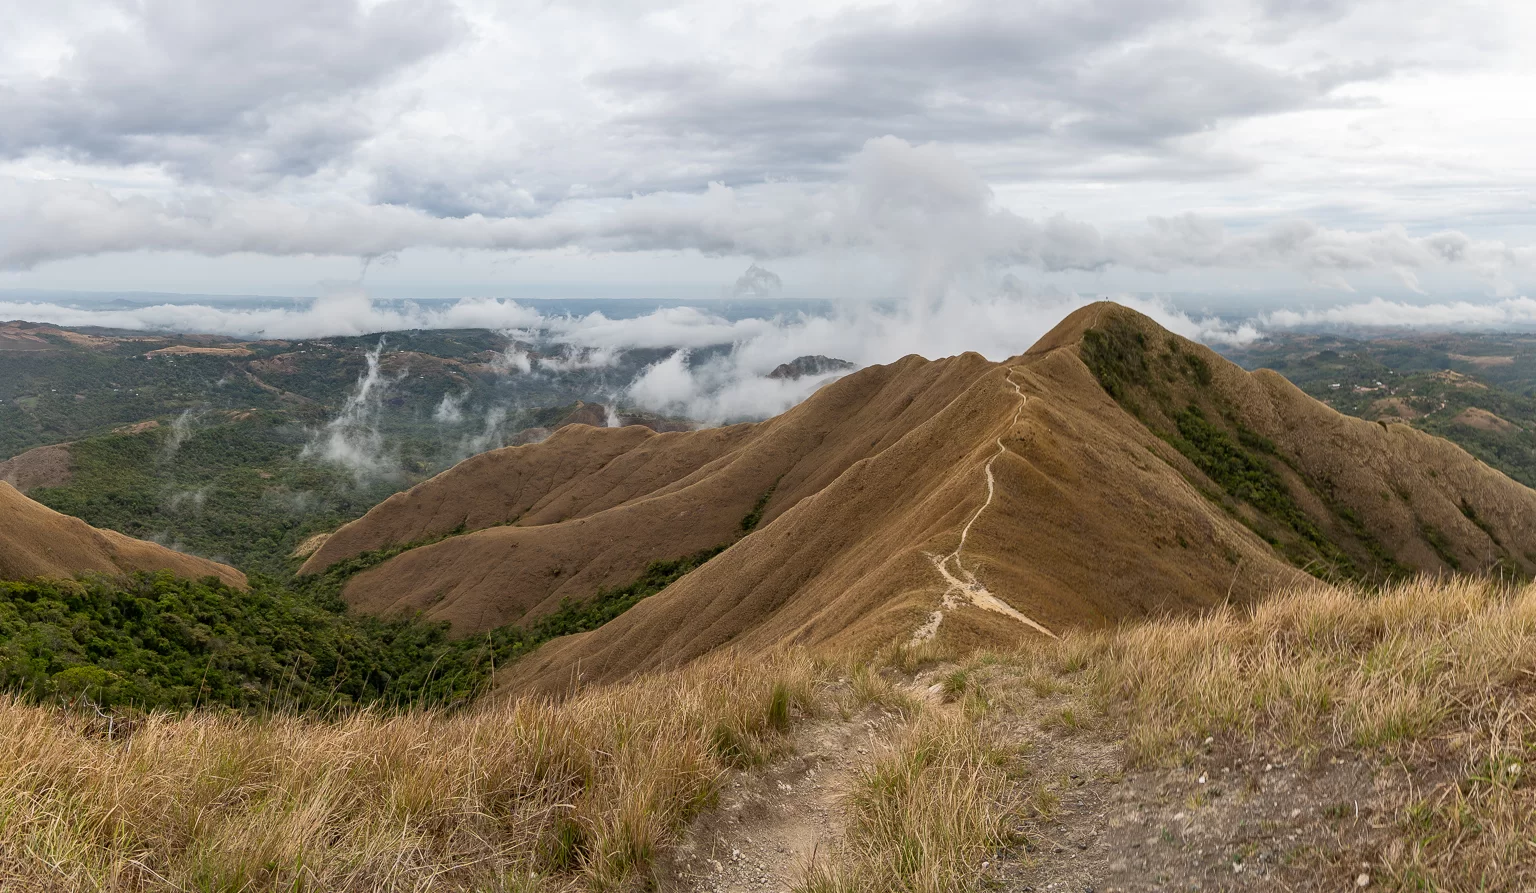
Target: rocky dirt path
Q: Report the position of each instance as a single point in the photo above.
(1249, 826)
(772, 820)
(1226, 821)
(962, 586)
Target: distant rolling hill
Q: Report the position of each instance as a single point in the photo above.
(1112, 471)
(36, 541)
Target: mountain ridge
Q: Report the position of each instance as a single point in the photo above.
(1131, 472)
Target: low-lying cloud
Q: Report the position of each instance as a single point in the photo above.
(345, 312)
(716, 385)
(352, 440)
(180, 430)
(721, 390)
(1379, 313)
(450, 410)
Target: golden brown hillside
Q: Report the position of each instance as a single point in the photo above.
(36, 541)
(1114, 470)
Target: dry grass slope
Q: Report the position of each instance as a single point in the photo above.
(1190, 482)
(36, 541)
(516, 797)
(1217, 488)
(1428, 680)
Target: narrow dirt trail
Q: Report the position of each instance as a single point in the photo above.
(962, 586)
(1230, 819)
(771, 821)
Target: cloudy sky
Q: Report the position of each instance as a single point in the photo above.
(466, 147)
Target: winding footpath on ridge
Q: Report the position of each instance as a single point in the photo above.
(963, 587)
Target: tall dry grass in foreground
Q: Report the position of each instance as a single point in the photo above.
(1325, 667)
(524, 796)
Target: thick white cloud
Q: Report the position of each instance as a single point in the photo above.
(998, 321)
(918, 207)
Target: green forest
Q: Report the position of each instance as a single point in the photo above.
(155, 641)
(239, 491)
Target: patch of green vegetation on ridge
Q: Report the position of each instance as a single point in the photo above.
(1168, 390)
(1237, 470)
(1471, 514)
(755, 517)
(1438, 542)
(1234, 466)
(1117, 357)
(1136, 375)
(579, 616)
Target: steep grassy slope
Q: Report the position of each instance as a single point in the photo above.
(1357, 499)
(1113, 471)
(36, 541)
(591, 507)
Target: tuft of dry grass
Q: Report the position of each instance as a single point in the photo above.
(1321, 667)
(923, 815)
(523, 796)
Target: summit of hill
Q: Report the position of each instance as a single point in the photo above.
(1113, 470)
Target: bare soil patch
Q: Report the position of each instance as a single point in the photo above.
(137, 427)
(1482, 362)
(1456, 379)
(44, 466)
(1396, 407)
(177, 350)
(1228, 821)
(1483, 420)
